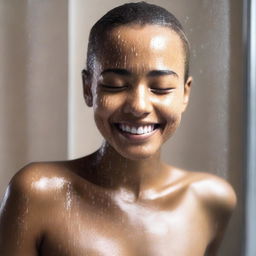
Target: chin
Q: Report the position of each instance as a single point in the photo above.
(137, 154)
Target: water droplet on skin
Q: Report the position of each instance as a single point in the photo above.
(68, 197)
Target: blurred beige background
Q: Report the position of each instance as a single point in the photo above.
(43, 116)
(33, 83)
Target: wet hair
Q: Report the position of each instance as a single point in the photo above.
(140, 13)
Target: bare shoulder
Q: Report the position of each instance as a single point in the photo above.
(218, 200)
(38, 182)
(213, 191)
(40, 177)
(24, 210)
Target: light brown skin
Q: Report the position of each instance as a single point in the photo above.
(121, 200)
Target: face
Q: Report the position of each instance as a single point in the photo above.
(138, 92)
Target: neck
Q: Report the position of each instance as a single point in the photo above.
(110, 169)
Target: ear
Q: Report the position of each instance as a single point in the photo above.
(187, 89)
(87, 87)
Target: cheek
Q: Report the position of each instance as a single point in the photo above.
(171, 112)
(170, 106)
(104, 104)
(104, 108)
(173, 121)
(173, 118)
(103, 126)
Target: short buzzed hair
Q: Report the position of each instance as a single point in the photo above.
(140, 13)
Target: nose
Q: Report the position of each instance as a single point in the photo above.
(138, 102)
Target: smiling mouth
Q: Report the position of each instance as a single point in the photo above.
(138, 129)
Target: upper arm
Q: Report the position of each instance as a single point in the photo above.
(19, 228)
(219, 200)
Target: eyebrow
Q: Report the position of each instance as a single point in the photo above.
(152, 73)
(118, 71)
(162, 73)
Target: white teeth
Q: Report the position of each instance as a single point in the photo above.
(140, 130)
(134, 130)
(127, 128)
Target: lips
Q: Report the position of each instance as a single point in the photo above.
(142, 129)
(137, 131)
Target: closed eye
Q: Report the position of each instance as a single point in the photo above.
(113, 88)
(161, 90)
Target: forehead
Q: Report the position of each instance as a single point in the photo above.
(135, 46)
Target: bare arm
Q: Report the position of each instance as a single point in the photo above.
(214, 246)
(19, 230)
(219, 200)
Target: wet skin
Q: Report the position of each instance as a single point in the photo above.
(122, 199)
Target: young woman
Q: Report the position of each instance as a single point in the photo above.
(122, 199)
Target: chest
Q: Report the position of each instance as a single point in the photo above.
(127, 229)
